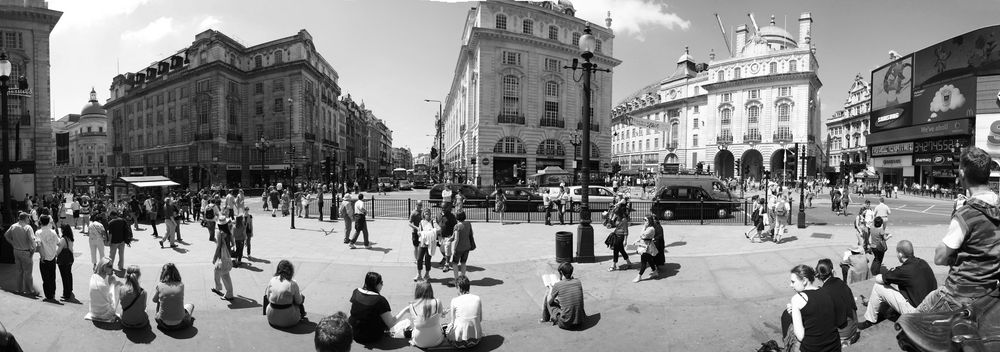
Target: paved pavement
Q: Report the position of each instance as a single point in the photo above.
(719, 292)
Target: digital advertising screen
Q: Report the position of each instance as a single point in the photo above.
(987, 133)
(946, 100)
(973, 53)
(892, 83)
(890, 118)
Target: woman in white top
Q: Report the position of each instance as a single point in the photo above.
(466, 310)
(103, 286)
(427, 234)
(425, 313)
(97, 236)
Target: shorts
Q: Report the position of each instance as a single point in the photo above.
(460, 257)
(445, 244)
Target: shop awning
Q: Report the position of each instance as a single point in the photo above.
(149, 181)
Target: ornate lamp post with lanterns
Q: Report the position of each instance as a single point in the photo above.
(6, 69)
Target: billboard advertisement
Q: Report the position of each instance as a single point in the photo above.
(973, 53)
(931, 130)
(987, 135)
(890, 118)
(947, 100)
(892, 83)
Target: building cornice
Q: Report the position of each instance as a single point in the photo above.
(781, 77)
(478, 33)
(32, 14)
(700, 99)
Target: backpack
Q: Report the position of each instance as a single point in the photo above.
(779, 209)
(210, 214)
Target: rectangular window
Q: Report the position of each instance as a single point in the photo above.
(203, 86)
(203, 112)
(279, 105)
(173, 137)
(159, 99)
(727, 97)
(278, 85)
(696, 109)
(552, 65)
(553, 32)
(159, 117)
(171, 115)
(258, 88)
(234, 113)
(511, 58)
(185, 92)
(551, 110)
(528, 27)
(11, 40)
(696, 124)
(784, 91)
(656, 143)
(576, 39)
(260, 131)
(234, 88)
(258, 108)
(753, 94)
(694, 140)
(170, 95)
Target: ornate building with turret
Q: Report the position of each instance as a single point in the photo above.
(25, 26)
(512, 108)
(81, 148)
(740, 115)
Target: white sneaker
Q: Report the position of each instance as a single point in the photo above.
(637, 278)
(352, 246)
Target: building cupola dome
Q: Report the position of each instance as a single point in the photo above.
(92, 107)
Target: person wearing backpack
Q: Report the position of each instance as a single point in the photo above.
(781, 209)
(211, 212)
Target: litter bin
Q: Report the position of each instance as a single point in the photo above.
(564, 247)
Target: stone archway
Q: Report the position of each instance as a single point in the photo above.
(724, 162)
(752, 165)
(783, 161)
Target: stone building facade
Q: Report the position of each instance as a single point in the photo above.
(81, 148)
(25, 26)
(197, 116)
(512, 108)
(847, 131)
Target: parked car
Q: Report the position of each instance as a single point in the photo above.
(684, 201)
(474, 197)
(405, 185)
(385, 184)
(522, 199)
(600, 197)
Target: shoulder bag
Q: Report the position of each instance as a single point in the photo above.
(65, 255)
(133, 300)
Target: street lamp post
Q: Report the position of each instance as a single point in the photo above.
(584, 232)
(291, 163)
(440, 136)
(262, 146)
(802, 188)
(5, 71)
(575, 141)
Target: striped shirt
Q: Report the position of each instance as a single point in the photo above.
(568, 295)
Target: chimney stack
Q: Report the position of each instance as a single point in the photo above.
(741, 39)
(805, 30)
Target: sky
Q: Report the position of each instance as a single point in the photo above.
(393, 54)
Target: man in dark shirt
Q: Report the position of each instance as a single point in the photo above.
(913, 279)
(448, 222)
(121, 236)
(563, 303)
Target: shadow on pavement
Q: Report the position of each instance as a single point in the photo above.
(489, 343)
(668, 270)
(143, 335)
(258, 260)
(486, 282)
(179, 250)
(379, 249)
(676, 244)
(240, 302)
(590, 321)
(472, 269)
(388, 343)
(110, 326)
(182, 334)
(248, 266)
(788, 239)
(302, 328)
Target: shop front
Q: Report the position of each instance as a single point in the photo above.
(509, 171)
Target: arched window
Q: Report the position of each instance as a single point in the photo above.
(576, 39)
(551, 147)
(594, 151)
(722, 75)
(279, 57)
(674, 132)
(784, 113)
(553, 32)
(753, 114)
(792, 66)
(773, 68)
(501, 21)
(727, 117)
(736, 73)
(258, 61)
(528, 27)
(509, 145)
(511, 95)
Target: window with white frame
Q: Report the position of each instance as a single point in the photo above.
(753, 114)
(694, 140)
(753, 94)
(576, 38)
(727, 97)
(598, 47)
(784, 112)
(727, 117)
(511, 58)
(551, 89)
(773, 68)
(736, 73)
(722, 75)
(511, 95)
(784, 91)
(279, 57)
(501, 21)
(528, 27)
(258, 61)
(793, 66)
(553, 32)
(552, 65)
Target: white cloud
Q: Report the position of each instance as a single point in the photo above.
(91, 12)
(209, 23)
(152, 32)
(628, 16)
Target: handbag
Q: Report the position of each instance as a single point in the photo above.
(472, 243)
(65, 256)
(265, 301)
(610, 240)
